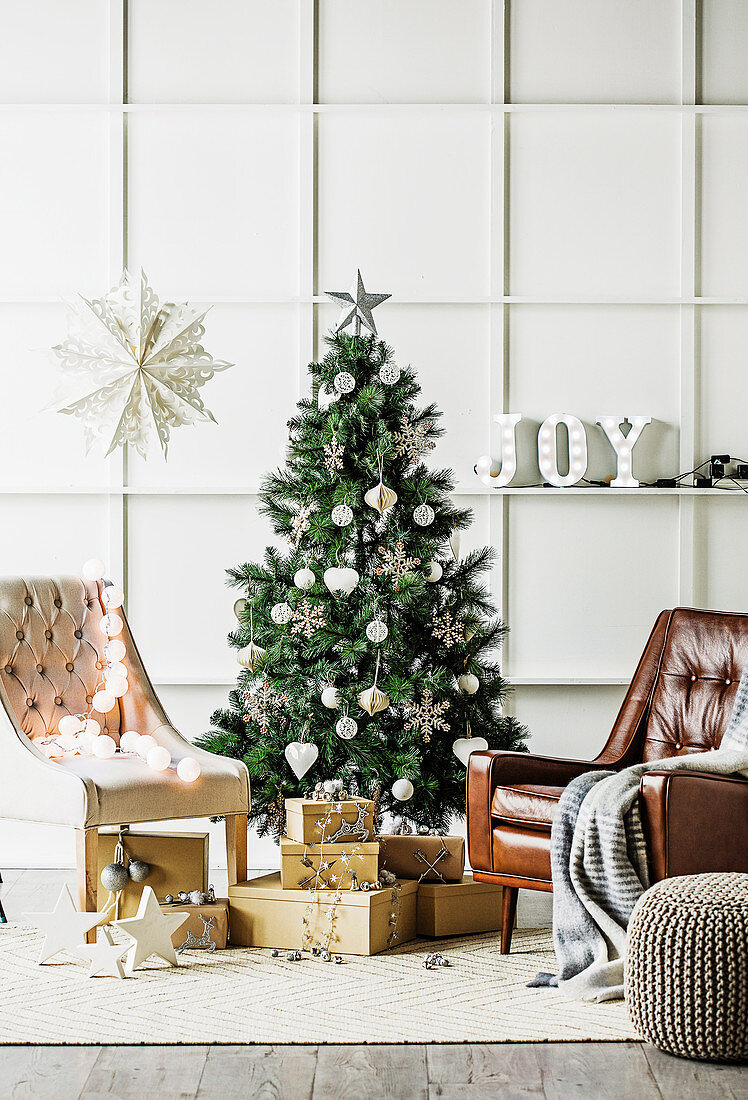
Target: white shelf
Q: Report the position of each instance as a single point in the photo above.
(381, 108)
(566, 681)
(461, 490)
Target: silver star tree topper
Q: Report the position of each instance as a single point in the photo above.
(357, 305)
(133, 367)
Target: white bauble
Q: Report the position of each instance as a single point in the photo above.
(346, 728)
(129, 741)
(103, 701)
(463, 747)
(113, 597)
(240, 606)
(423, 515)
(115, 651)
(342, 515)
(325, 398)
(188, 769)
(340, 580)
(301, 757)
(94, 570)
(280, 613)
(403, 789)
(468, 683)
(304, 579)
(70, 725)
(158, 758)
(104, 747)
(389, 374)
(330, 697)
(376, 631)
(145, 744)
(435, 572)
(344, 382)
(111, 625)
(116, 686)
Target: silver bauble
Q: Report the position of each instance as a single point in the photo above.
(114, 877)
(139, 870)
(197, 897)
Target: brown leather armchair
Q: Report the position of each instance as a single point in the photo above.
(679, 702)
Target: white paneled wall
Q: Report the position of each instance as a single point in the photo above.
(554, 192)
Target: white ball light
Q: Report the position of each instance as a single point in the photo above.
(116, 686)
(435, 572)
(158, 758)
(70, 725)
(402, 789)
(113, 597)
(304, 579)
(104, 747)
(188, 769)
(145, 744)
(67, 741)
(116, 670)
(94, 570)
(129, 741)
(103, 701)
(111, 625)
(330, 698)
(114, 650)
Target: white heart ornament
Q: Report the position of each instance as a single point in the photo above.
(301, 757)
(340, 581)
(464, 746)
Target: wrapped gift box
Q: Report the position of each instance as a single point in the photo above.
(178, 861)
(218, 933)
(458, 908)
(398, 855)
(361, 858)
(263, 914)
(305, 818)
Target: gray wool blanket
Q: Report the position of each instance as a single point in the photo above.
(599, 862)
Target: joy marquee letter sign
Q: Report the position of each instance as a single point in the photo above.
(499, 474)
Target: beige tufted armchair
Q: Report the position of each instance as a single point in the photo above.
(50, 662)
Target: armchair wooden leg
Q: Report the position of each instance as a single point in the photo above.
(87, 859)
(508, 913)
(236, 847)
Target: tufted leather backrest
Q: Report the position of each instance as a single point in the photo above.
(51, 651)
(702, 657)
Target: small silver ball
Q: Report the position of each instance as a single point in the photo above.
(338, 958)
(274, 953)
(139, 870)
(197, 897)
(183, 895)
(169, 899)
(114, 877)
(423, 830)
(291, 956)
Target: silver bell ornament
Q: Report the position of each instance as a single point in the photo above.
(114, 877)
(423, 515)
(304, 579)
(138, 870)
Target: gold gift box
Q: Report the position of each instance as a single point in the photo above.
(458, 908)
(398, 855)
(305, 818)
(363, 860)
(178, 861)
(263, 914)
(217, 910)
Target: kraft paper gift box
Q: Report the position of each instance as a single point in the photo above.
(178, 861)
(217, 911)
(263, 914)
(305, 818)
(361, 858)
(398, 855)
(458, 908)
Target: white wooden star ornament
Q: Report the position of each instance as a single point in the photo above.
(151, 929)
(105, 956)
(64, 928)
(357, 305)
(132, 367)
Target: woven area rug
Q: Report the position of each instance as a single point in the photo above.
(242, 995)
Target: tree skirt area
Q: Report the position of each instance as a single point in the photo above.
(243, 995)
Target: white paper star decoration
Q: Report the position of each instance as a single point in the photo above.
(64, 928)
(151, 929)
(133, 367)
(357, 305)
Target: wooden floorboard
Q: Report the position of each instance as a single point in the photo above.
(362, 1073)
(265, 1072)
(170, 1073)
(683, 1077)
(482, 1070)
(38, 1073)
(598, 1071)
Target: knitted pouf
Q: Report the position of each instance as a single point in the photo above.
(686, 975)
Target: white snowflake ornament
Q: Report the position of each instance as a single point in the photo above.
(133, 367)
(342, 515)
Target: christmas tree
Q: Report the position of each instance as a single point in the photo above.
(369, 648)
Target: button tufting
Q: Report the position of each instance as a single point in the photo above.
(728, 682)
(89, 698)
(58, 602)
(40, 668)
(58, 701)
(99, 664)
(678, 745)
(28, 601)
(9, 669)
(77, 633)
(29, 702)
(693, 678)
(19, 635)
(69, 666)
(47, 634)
